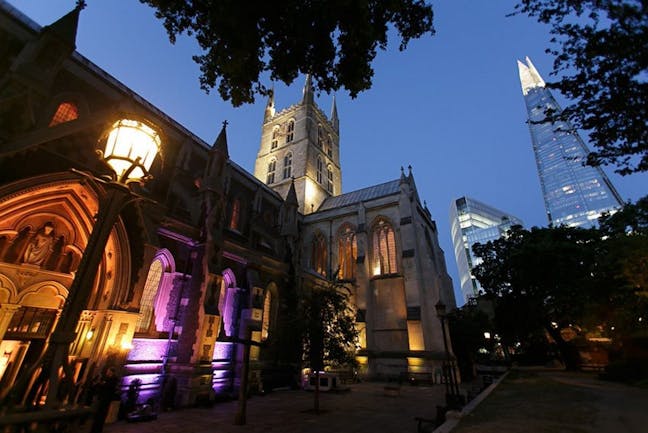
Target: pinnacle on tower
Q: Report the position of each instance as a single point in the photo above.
(66, 27)
(220, 145)
(334, 115)
(308, 97)
(291, 197)
(270, 106)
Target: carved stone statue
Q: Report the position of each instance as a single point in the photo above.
(40, 246)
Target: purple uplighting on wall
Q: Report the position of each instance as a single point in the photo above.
(145, 349)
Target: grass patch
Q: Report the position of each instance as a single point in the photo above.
(526, 401)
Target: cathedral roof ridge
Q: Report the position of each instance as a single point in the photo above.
(369, 193)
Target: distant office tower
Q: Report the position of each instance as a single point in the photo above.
(474, 222)
(575, 194)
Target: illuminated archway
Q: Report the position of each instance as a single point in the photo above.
(57, 211)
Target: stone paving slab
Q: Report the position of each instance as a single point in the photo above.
(363, 409)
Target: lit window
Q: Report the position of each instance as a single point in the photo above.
(319, 253)
(290, 131)
(235, 216)
(320, 168)
(65, 112)
(329, 183)
(384, 249)
(151, 287)
(287, 168)
(272, 167)
(265, 322)
(347, 252)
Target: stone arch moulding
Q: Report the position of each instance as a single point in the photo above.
(226, 301)
(48, 294)
(8, 292)
(69, 201)
(164, 288)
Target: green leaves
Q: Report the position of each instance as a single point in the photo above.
(328, 324)
(333, 40)
(589, 278)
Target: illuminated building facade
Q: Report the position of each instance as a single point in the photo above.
(213, 257)
(575, 194)
(380, 240)
(473, 222)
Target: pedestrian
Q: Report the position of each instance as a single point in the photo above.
(104, 394)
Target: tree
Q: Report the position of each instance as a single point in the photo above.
(600, 54)
(329, 333)
(467, 326)
(335, 42)
(541, 278)
(553, 278)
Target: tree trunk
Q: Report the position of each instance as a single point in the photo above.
(317, 392)
(568, 352)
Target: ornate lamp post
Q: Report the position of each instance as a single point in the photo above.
(453, 398)
(131, 147)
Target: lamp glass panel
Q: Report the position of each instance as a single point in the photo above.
(128, 140)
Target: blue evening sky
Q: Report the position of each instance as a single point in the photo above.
(450, 105)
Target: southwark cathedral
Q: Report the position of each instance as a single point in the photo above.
(178, 267)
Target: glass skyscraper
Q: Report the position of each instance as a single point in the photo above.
(575, 194)
(474, 222)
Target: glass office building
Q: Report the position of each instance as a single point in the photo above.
(472, 222)
(575, 194)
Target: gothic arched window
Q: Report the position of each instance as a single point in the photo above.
(384, 249)
(272, 167)
(290, 131)
(329, 146)
(65, 112)
(347, 252)
(151, 287)
(329, 180)
(235, 215)
(275, 138)
(320, 169)
(287, 168)
(320, 136)
(265, 321)
(319, 253)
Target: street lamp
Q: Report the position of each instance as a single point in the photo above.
(453, 398)
(131, 147)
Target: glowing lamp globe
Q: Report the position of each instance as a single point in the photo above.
(131, 148)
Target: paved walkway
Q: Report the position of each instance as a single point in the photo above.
(364, 409)
(535, 400)
(530, 402)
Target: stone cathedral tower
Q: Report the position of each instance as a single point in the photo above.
(300, 142)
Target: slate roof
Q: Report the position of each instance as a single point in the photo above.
(365, 194)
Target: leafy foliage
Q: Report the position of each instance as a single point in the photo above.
(329, 334)
(334, 41)
(600, 53)
(553, 278)
(467, 326)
